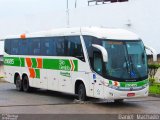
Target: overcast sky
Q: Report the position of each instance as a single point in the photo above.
(17, 16)
(27, 16)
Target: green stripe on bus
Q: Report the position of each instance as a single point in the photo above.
(134, 84)
(76, 65)
(54, 64)
(131, 84)
(22, 62)
(59, 64)
(50, 64)
(34, 63)
(12, 61)
(37, 73)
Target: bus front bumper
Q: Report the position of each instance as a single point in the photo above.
(110, 93)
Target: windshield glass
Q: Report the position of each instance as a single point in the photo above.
(127, 59)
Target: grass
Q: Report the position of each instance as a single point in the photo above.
(155, 88)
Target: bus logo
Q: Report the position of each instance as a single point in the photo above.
(131, 85)
(63, 65)
(67, 65)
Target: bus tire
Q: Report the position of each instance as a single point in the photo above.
(19, 85)
(119, 101)
(26, 87)
(81, 92)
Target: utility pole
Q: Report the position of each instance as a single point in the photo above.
(67, 14)
(75, 3)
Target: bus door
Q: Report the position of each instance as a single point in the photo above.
(97, 80)
(96, 86)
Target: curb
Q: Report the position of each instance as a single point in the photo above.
(154, 95)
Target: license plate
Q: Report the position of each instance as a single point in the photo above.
(130, 94)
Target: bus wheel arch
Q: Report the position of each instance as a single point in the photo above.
(18, 82)
(80, 90)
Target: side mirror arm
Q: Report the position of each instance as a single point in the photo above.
(103, 51)
(153, 51)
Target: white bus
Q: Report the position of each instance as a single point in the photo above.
(89, 62)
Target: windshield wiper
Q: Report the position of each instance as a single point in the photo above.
(127, 66)
(133, 67)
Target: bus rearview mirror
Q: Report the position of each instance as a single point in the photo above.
(103, 51)
(153, 51)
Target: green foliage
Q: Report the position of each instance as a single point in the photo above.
(153, 66)
(154, 89)
(152, 69)
(151, 81)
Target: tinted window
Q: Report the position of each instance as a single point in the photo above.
(60, 46)
(48, 47)
(7, 46)
(15, 47)
(23, 47)
(75, 47)
(35, 46)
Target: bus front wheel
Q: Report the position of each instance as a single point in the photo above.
(81, 92)
(26, 86)
(119, 101)
(19, 86)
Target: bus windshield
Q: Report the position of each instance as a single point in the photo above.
(127, 60)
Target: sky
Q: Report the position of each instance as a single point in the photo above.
(28, 15)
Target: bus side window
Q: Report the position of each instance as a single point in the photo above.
(35, 47)
(23, 46)
(75, 47)
(15, 47)
(7, 46)
(48, 46)
(60, 46)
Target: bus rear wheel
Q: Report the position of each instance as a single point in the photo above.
(26, 86)
(81, 92)
(19, 86)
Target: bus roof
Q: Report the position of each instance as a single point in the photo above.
(104, 33)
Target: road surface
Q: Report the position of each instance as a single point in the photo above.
(48, 102)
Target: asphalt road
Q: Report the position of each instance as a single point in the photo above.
(48, 102)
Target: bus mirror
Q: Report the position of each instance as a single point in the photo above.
(103, 51)
(153, 51)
